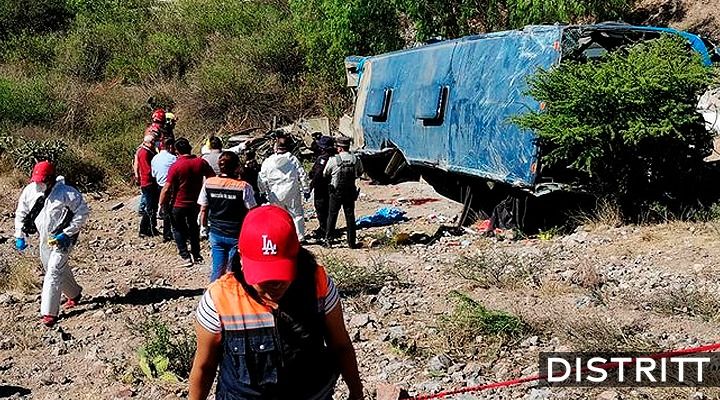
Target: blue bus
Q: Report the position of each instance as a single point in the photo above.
(445, 107)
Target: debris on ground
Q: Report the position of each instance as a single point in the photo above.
(382, 217)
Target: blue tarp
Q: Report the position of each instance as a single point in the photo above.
(382, 217)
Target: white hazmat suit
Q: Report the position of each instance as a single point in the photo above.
(64, 211)
(283, 179)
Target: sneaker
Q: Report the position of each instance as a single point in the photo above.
(70, 303)
(48, 320)
(198, 259)
(186, 262)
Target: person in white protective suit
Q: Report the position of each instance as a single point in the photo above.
(284, 182)
(57, 212)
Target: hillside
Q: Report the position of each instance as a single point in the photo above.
(698, 16)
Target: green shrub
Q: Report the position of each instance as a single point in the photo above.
(26, 152)
(626, 124)
(330, 30)
(164, 354)
(35, 49)
(27, 101)
(81, 172)
(471, 319)
(455, 18)
(33, 16)
(117, 153)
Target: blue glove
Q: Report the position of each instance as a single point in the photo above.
(20, 244)
(61, 240)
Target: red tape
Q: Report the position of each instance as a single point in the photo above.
(515, 382)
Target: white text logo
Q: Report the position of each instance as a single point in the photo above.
(268, 246)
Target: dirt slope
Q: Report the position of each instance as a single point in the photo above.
(697, 16)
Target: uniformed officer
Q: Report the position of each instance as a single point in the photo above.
(342, 169)
(319, 184)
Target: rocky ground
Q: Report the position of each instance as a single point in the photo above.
(601, 287)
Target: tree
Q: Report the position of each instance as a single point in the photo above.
(626, 125)
(330, 30)
(455, 18)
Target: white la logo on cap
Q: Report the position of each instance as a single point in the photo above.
(268, 247)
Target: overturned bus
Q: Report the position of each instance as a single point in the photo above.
(442, 110)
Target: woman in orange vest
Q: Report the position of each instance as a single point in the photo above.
(275, 325)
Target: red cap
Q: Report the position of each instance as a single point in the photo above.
(41, 171)
(268, 245)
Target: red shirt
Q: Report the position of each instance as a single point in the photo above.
(143, 158)
(185, 178)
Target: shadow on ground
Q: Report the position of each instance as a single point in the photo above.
(136, 297)
(9, 391)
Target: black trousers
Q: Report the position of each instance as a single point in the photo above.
(167, 223)
(148, 210)
(322, 202)
(185, 228)
(346, 200)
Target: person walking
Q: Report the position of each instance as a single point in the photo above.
(142, 169)
(215, 148)
(160, 167)
(184, 181)
(319, 184)
(342, 169)
(283, 181)
(274, 328)
(57, 212)
(224, 201)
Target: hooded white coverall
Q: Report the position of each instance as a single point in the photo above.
(283, 179)
(65, 211)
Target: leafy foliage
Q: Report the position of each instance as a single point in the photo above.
(33, 16)
(352, 279)
(165, 355)
(455, 18)
(27, 100)
(80, 68)
(471, 319)
(627, 124)
(330, 30)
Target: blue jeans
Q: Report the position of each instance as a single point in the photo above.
(223, 249)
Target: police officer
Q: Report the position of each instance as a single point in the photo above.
(319, 184)
(342, 169)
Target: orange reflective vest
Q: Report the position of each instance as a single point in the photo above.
(274, 354)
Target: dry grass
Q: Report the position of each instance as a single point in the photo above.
(605, 214)
(496, 268)
(18, 274)
(553, 288)
(352, 278)
(588, 277)
(592, 333)
(697, 303)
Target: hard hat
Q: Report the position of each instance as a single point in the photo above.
(158, 115)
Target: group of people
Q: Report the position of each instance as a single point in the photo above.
(270, 324)
(178, 187)
(272, 328)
